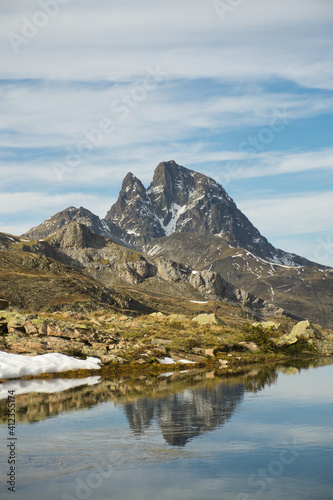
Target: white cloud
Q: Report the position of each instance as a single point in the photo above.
(282, 163)
(44, 203)
(291, 214)
(222, 77)
(116, 40)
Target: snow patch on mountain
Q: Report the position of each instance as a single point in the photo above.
(176, 211)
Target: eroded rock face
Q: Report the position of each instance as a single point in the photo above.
(181, 200)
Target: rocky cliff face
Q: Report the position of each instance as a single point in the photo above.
(80, 215)
(180, 200)
(112, 264)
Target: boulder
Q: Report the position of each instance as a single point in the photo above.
(208, 319)
(287, 339)
(305, 330)
(302, 330)
(250, 346)
(268, 325)
(177, 317)
(158, 315)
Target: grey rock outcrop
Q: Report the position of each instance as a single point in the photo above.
(208, 319)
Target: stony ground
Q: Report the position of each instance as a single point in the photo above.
(140, 342)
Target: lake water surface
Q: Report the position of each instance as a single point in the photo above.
(260, 435)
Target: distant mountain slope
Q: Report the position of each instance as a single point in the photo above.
(114, 265)
(305, 290)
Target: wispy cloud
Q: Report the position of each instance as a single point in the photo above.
(223, 83)
(291, 214)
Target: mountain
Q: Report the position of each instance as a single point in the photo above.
(186, 221)
(180, 200)
(114, 265)
(80, 215)
(304, 290)
(35, 276)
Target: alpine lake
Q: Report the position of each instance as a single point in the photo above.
(263, 433)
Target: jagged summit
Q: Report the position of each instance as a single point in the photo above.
(180, 200)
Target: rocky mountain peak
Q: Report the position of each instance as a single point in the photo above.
(180, 200)
(76, 235)
(131, 182)
(132, 194)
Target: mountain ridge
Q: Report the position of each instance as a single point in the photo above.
(188, 218)
(182, 200)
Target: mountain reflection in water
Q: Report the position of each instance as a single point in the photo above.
(184, 406)
(187, 414)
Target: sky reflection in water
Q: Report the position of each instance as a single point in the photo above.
(263, 435)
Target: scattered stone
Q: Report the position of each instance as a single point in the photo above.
(28, 348)
(209, 352)
(208, 319)
(198, 350)
(158, 315)
(287, 339)
(161, 342)
(54, 331)
(99, 346)
(30, 328)
(268, 325)
(223, 362)
(177, 317)
(17, 329)
(250, 346)
(111, 358)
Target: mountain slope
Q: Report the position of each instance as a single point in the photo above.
(305, 290)
(32, 280)
(114, 265)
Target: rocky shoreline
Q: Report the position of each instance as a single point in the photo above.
(152, 342)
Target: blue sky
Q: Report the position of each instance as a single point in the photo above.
(241, 90)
